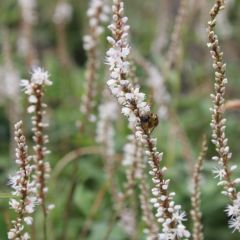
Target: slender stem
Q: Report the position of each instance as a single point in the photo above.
(72, 156)
(196, 195)
(44, 222)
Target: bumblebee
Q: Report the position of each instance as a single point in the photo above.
(148, 122)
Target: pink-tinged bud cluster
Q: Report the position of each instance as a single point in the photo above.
(97, 14)
(62, 13)
(139, 115)
(34, 88)
(132, 157)
(24, 187)
(160, 93)
(128, 221)
(196, 214)
(108, 113)
(135, 165)
(28, 10)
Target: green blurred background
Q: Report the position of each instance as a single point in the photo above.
(189, 83)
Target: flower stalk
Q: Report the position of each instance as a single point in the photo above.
(98, 14)
(218, 123)
(24, 188)
(144, 121)
(34, 88)
(151, 230)
(25, 41)
(61, 17)
(196, 201)
(175, 47)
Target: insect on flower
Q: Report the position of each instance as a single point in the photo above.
(149, 121)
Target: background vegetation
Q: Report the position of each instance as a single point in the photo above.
(189, 83)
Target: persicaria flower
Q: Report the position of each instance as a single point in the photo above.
(97, 14)
(140, 119)
(34, 88)
(40, 76)
(24, 188)
(233, 211)
(28, 10)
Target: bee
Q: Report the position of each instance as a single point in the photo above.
(148, 122)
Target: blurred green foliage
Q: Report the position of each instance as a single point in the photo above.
(189, 85)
